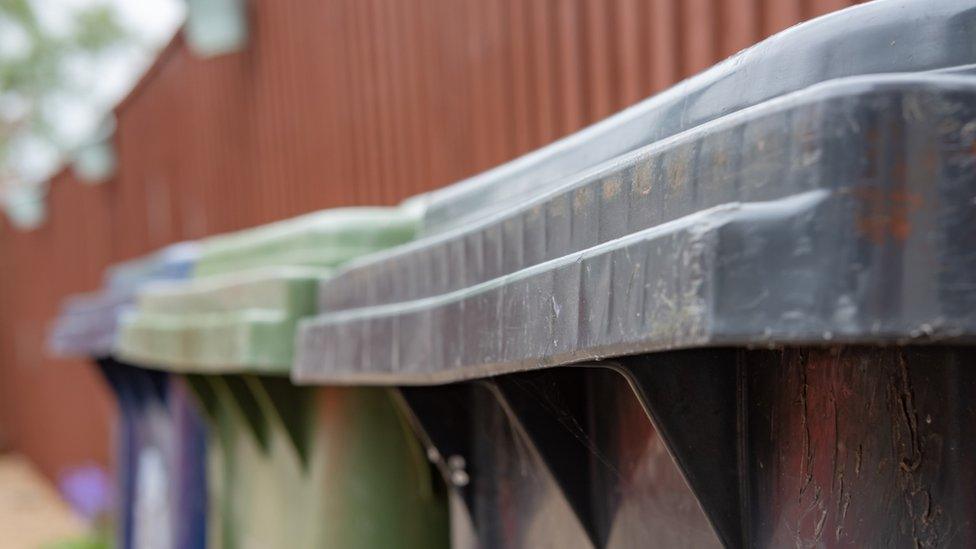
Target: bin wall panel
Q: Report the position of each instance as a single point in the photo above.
(835, 446)
(561, 458)
(639, 493)
(331, 103)
(517, 502)
(361, 480)
(160, 483)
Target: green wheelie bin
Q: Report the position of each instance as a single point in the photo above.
(288, 466)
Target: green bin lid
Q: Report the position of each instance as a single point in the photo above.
(249, 289)
(324, 239)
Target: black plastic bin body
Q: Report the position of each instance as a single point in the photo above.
(851, 446)
(773, 262)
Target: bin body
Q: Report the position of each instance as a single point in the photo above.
(160, 477)
(350, 474)
(162, 449)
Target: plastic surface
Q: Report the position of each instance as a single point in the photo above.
(250, 288)
(295, 467)
(323, 239)
(161, 443)
(226, 323)
(173, 262)
(288, 466)
(516, 485)
(832, 214)
(841, 446)
(161, 466)
(87, 324)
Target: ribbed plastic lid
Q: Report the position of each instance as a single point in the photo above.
(249, 289)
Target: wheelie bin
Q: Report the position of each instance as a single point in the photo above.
(740, 313)
(288, 466)
(160, 466)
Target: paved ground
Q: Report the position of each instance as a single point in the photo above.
(31, 513)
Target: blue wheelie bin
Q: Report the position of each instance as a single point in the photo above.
(161, 436)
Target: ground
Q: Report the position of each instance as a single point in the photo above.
(32, 515)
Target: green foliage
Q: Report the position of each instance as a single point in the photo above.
(97, 29)
(38, 70)
(92, 542)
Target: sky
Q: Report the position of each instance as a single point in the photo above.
(153, 21)
(107, 80)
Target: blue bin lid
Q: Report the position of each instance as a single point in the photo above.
(88, 323)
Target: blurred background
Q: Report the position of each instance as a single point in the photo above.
(125, 126)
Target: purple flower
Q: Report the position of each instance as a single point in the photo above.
(88, 490)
